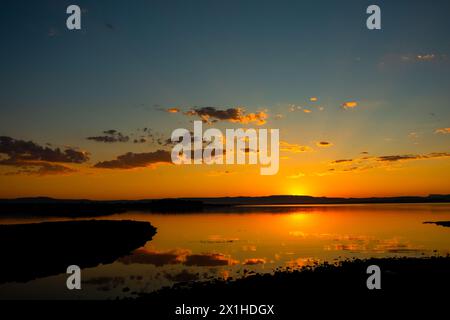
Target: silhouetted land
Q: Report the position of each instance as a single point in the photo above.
(439, 223)
(323, 290)
(43, 206)
(30, 251)
(91, 208)
(284, 199)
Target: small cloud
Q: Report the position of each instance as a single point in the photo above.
(173, 110)
(342, 160)
(218, 173)
(292, 147)
(307, 111)
(110, 136)
(38, 168)
(293, 108)
(349, 105)
(412, 58)
(140, 140)
(254, 261)
(313, 99)
(234, 115)
(279, 116)
(324, 144)
(397, 158)
(297, 176)
(442, 130)
(387, 162)
(432, 155)
(136, 160)
(426, 57)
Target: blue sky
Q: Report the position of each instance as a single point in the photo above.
(132, 60)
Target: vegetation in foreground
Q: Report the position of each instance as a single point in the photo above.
(325, 289)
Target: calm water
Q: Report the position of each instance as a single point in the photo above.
(222, 245)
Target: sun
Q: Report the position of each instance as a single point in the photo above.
(297, 191)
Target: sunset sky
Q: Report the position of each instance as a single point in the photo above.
(361, 113)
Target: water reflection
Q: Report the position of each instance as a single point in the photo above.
(225, 244)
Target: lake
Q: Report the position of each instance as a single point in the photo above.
(237, 242)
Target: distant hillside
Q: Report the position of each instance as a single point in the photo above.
(43, 206)
(284, 199)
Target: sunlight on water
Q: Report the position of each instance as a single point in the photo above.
(237, 243)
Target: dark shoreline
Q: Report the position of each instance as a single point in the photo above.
(424, 280)
(408, 286)
(43, 249)
(439, 223)
(49, 207)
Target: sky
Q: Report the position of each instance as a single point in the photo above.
(87, 113)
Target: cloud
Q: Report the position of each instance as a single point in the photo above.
(279, 116)
(412, 58)
(20, 150)
(148, 135)
(217, 173)
(292, 147)
(32, 158)
(307, 111)
(40, 168)
(173, 110)
(140, 140)
(324, 144)
(413, 157)
(313, 99)
(424, 57)
(234, 115)
(297, 176)
(342, 160)
(110, 136)
(219, 239)
(442, 130)
(397, 158)
(136, 160)
(387, 162)
(293, 107)
(254, 261)
(349, 105)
